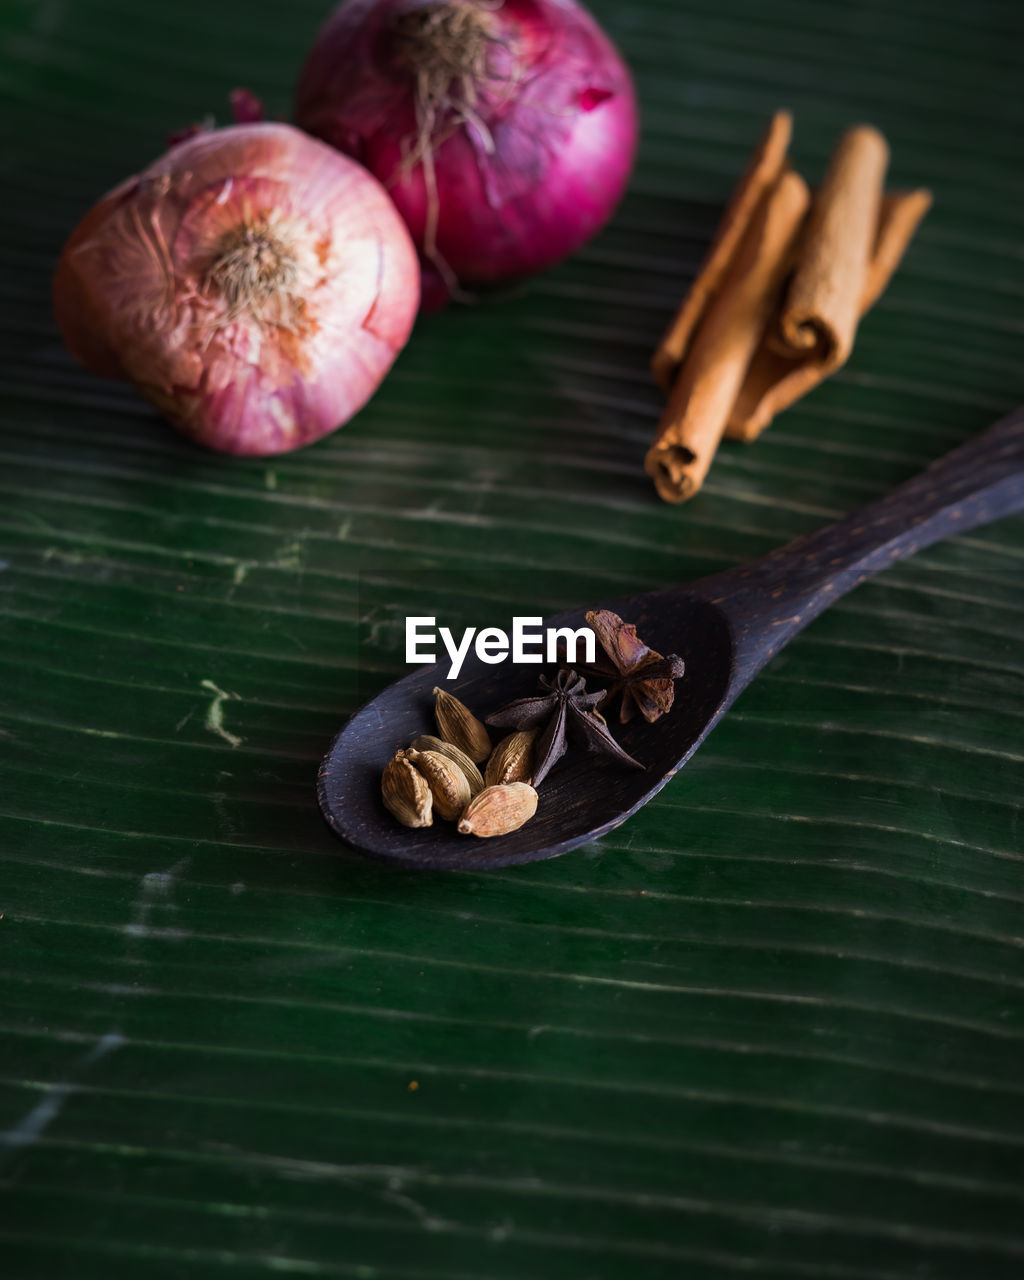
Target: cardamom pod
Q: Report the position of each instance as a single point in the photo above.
(512, 759)
(406, 793)
(447, 782)
(498, 810)
(459, 726)
(427, 742)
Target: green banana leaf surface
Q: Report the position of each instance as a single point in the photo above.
(772, 1026)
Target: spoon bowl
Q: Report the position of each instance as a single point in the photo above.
(725, 627)
(584, 797)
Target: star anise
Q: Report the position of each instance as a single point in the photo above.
(568, 712)
(644, 678)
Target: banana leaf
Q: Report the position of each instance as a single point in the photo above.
(774, 1024)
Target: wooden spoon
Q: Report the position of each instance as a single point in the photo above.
(726, 627)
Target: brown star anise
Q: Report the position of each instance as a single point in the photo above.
(568, 712)
(645, 679)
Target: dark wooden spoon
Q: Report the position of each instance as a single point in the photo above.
(726, 627)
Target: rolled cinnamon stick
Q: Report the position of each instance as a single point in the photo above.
(776, 379)
(899, 218)
(841, 262)
(822, 304)
(761, 175)
(717, 362)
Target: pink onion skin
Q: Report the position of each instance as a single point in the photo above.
(565, 141)
(135, 298)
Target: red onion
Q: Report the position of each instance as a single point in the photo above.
(254, 284)
(504, 132)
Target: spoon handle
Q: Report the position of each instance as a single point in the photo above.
(773, 598)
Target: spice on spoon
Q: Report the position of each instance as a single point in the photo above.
(406, 794)
(459, 726)
(569, 713)
(512, 759)
(448, 784)
(427, 742)
(499, 810)
(438, 775)
(641, 675)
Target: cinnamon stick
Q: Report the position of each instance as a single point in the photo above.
(742, 304)
(900, 217)
(823, 300)
(776, 379)
(724, 373)
(761, 175)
